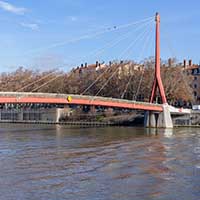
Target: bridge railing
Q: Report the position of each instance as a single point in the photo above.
(73, 96)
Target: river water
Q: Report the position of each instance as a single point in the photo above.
(112, 163)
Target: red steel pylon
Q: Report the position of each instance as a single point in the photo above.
(157, 79)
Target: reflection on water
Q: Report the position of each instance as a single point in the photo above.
(55, 162)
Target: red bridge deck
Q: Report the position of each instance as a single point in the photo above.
(48, 98)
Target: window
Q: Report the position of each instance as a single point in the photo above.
(195, 86)
(195, 93)
(195, 71)
(195, 78)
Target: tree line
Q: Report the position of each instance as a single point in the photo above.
(126, 79)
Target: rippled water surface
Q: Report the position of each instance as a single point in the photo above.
(55, 162)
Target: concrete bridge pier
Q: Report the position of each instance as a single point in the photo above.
(150, 119)
(158, 120)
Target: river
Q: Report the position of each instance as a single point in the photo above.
(112, 163)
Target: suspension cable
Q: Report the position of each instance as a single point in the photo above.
(141, 36)
(88, 36)
(36, 81)
(126, 36)
(120, 39)
(112, 43)
(85, 37)
(126, 88)
(133, 43)
(51, 80)
(98, 78)
(140, 82)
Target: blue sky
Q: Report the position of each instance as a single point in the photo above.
(35, 33)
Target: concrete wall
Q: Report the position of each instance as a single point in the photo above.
(29, 115)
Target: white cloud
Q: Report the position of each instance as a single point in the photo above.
(32, 26)
(11, 8)
(73, 18)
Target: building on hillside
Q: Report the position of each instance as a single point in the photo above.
(194, 70)
(83, 69)
(128, 68)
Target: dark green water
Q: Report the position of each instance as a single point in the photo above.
(55, 162)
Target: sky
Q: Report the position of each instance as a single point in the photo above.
(65, 33)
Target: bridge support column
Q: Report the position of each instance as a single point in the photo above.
(150, 119)
(159, 120)
(92, 110)
(21, 115)
(165, 119)
(59, 113)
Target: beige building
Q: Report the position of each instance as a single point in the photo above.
(194, 70)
